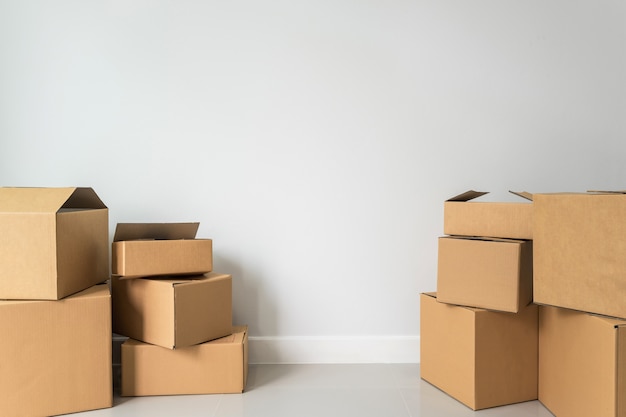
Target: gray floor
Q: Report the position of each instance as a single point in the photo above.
(319, 390)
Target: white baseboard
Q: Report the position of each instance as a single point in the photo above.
(289, 350)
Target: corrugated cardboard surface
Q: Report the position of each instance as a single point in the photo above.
(55, 356)
(494, 219)
(173, 313)
(153, 249)
(580, 242)
(54, 242)
(216, 367)
(494, 274)
(482, 358)
(581, 363)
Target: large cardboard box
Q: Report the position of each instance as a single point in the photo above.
(580, 247)
(55, 356)
(489, 273)
(152, 249)
(173, 313)
(216, 367)
(482, 358)
(53, 242)
(466, 217)
(582, 363)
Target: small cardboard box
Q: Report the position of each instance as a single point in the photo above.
(490, 273)
(173, 313)
(481, 358)
(465, 217)
(153, 249)
(216, 367)
(582, 363)
(580, 247)
(55, 356)
(53, 242)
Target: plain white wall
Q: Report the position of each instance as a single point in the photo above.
(315, 141)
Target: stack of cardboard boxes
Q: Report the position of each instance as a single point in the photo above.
(479, 331)
(176, 312)
(495, 349)
(55, 313)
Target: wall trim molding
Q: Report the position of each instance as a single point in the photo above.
(333, 349)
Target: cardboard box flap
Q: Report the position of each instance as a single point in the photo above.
(468, 195)
(137, 231)
(42, 200)
(607, 191)
(524, 194)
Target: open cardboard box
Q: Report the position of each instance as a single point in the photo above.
(153, 249)
(53, 242)
(582, 363)
(580, 251)
(482, 358)
(489, 273)
(56, 355)
(216, 367)
(466, 217)
(173, 313)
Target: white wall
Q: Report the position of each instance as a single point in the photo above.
(314, 140)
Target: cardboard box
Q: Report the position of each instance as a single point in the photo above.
(582, 363)
(173, 313)
(153, 249)
(54, 242)
(580, 247)
(482, 358)
(55, 356)
(216, 367)
(490, 273)
(465, 217)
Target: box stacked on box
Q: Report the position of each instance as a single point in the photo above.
(55, 311)
(479, 331)
(580, 282)
(176, 312)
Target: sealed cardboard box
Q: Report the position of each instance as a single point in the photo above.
(216, 367)
(55, 356)
(152, 249)
(582, 363)
(466, 217)
(173, 313)
(489, 273)
(580, 242)
(481, 358)
(54, 242)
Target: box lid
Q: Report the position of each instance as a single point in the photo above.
(42, 200)
(135, 231)
(471, 194)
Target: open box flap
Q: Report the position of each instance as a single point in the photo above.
(136, 231)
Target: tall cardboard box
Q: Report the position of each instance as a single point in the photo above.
(582, 363)
(152, 249)
(173, 313)
(55, 356)
(54, 242)
(490, 273)
(216, 367)
(482, 358)
(580, 247)
(466, 217)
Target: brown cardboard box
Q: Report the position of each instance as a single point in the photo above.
(582, 363)
(54, 242)
(152, 249)
(55, 356)
(173, 313)
(489, 273)
(464, 217)
(216, 367)
(482, 358)
(580, 247)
